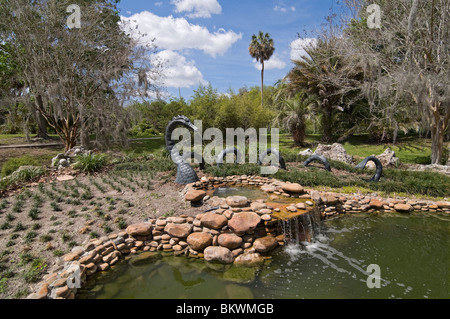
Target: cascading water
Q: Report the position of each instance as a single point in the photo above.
(300, 228)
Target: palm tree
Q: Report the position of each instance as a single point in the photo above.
(293, 111)
(261, 48)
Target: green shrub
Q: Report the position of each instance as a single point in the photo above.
(90, 162)
(13, 164)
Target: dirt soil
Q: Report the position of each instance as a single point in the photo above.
(47, 218)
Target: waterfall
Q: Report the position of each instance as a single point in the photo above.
(300, 228)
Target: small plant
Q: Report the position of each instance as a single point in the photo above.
(65, 237)
(34, 213)
(5, 226)
(90, 162)
(93, 234)
(36, 226)
(10, 217)
(19, 227)
(122, 224)
(72, 213)
(55, 207)
(30, 236)
(58, 253)
(107, 229)
(33, 274)
(46, 238)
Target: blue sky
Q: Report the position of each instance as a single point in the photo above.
(206, 41)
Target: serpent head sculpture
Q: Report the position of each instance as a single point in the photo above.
(185, 173)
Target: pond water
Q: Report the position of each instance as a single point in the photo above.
(411, 252)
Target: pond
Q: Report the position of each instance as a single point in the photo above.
(411, 252)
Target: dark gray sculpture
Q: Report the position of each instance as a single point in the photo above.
(319, 158)
(378, 169)
(199, 158)
(275, 152)
(226, 151)
(185, 173)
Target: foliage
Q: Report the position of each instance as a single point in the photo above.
(14, 163)
(90, 162)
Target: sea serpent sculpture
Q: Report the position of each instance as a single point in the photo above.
(226, 151)
(275, 152)
(378, 167)
(319, 158)
(185, 173)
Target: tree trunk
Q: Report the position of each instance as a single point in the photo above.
(439, 125)
(262, 82)
(42, 123)
(327, 130)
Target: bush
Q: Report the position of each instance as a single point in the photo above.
(90, 162)
(13, 164)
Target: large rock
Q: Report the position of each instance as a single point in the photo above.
(213, 220)
(443, 204)
(387, 159)
(265, 244)
(292, 188)
(230, 241)
(194, 195)
(237, 201)
(142, 229)
(199, 241)
(249, 259)
(243, 222)
(218, 254)
(178, 230)
(335, 152)
(402, 207)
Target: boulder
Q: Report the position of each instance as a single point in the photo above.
(199, 241)
(178, 230)
(402, 207)
(230, 241)
(292, 188)
(387, 159)
(213, 220)
(443, 204)
(334, 152)
(237, 201)
(249, 259)
(194, 195)
(218, 254)
(265, 244)
(376, 203)
(257, 206)
(142, 229)
(243, 222)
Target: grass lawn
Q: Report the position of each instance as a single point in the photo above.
(409, 149)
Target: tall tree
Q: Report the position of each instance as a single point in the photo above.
(331, 75)
(411, 53)
(77, 77)
(261, 48)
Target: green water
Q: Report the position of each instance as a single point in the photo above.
(412, 252)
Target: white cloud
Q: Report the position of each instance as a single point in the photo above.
(198, 8)
(283, 8)
(279, 8)
(179, 72)
(178, 34)
(274, 62)
(158, 4)
(298, 47)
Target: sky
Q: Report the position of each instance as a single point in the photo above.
(206, 41)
